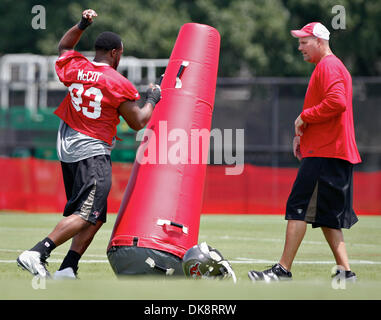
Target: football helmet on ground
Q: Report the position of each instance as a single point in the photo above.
(203, 261)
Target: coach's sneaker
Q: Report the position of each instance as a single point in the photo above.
(34, 263)
(276, 273)
(64, 274)
(349, 275)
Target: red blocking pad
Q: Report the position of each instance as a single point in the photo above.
(162, 204)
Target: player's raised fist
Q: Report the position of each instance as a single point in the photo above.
(87, 18)
(89, 14)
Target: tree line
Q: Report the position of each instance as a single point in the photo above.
(255, 34)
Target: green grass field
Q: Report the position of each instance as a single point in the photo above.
(247, 241)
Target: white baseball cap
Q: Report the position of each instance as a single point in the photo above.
(312, 29)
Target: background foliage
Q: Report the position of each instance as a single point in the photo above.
(255, 33)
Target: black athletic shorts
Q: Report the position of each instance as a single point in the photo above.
(322, 194)
(87, 185)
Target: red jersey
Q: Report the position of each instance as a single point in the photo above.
(328, 113)
(95, 92)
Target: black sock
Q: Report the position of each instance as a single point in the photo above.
(44, 247)
(71, 260)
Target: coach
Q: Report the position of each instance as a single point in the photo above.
(325, 143)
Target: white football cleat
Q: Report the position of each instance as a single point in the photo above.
(67, 273)
(34, 263)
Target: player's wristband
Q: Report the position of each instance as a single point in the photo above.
(151, 101)
(84, 23)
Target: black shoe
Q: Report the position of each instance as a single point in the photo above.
(276, 273)
(349, 275)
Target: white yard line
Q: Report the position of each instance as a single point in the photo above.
(260, 261)
(59, 261)
(56, 253)
(282, 241)
(237, 260)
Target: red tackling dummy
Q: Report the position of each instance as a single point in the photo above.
(162, 203)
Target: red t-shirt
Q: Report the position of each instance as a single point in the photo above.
(328, 113)
(95, 92)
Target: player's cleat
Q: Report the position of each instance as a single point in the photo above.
(349, 275)
(276, 273)
(34, 263)
(67, 273)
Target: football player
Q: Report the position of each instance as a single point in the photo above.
(89, 114)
